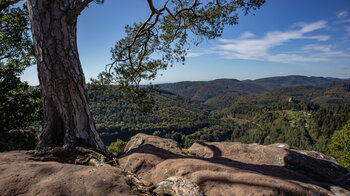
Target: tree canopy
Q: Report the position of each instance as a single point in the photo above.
(163, 39)
(340, 145)
(148, 47)
(166, 31)
(19, 104)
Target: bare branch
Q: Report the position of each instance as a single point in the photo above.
(171, 14)
(146, 30)
(132, 55)
(151, 6)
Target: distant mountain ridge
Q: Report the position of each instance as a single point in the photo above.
(330, 93)
(292, 80)
(202, 91)
(205, 90)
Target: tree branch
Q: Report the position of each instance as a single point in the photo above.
(72, 14)
(146, 30)
(151, 6)
(194, 5)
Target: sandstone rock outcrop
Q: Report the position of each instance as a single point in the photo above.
(143, 152)
(158, 166)
(229, 168)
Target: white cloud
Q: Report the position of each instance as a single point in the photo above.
(314, 47)
(193, 54)
(309, 27)
(259, 49)
(293, 58)
(339, 53)
(247, 35)
(319, 37)
(342, 14)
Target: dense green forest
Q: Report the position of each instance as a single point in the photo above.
(306, 122)
(171, 116)
(330, 93)
(205, 90)
(291, 81)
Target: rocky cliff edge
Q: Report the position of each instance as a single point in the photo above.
(160, 167)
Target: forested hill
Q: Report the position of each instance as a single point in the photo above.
(171, 115)
(293, 80)
(202, 91)
(308, 122)
(329, 93)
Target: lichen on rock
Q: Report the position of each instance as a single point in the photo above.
(177, 186)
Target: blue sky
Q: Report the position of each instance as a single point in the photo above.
(285, 37)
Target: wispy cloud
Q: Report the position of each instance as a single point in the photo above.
(342, 14)
(292, 58)
(247, 35)
(342, 21)
(260, 49)
(194, 54)
(248, 46)
(315, 47)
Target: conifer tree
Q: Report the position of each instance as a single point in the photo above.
(68, 121)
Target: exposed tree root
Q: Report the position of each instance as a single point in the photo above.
(77, 155)
(84, 156)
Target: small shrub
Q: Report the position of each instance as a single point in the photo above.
(23, 139)
(185, 150)
(340, 145)
(117, 147)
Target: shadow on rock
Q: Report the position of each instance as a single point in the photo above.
(226, 168)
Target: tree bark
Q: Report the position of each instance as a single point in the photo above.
(68, 121)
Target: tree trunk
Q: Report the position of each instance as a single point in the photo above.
(68, 121)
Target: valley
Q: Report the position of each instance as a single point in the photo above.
(255, 111)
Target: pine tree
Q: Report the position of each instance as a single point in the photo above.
(68, 121)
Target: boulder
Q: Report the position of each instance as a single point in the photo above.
(232, 168)
(310, 164)
(220, 178)
(247, 153)
(143, 152)
(143, 143)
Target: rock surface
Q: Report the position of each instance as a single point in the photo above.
(19, 175)
(230, 168)
(159, 166)
(176, 186)
(144, 152)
